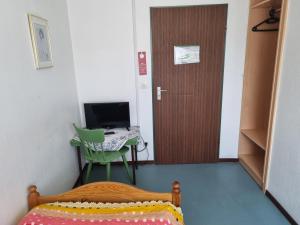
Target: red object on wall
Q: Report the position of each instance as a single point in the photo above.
(142, 63)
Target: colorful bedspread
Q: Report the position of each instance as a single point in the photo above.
(63, 213)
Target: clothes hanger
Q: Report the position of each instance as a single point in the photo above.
(271, 20)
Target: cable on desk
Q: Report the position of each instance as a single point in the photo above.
(144, 146)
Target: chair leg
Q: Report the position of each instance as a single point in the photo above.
(108, 171)
(127, 168)
(88, 172)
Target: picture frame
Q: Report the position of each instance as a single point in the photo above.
(186, 54)
(40, 40)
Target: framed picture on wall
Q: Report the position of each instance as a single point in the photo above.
(40, 41)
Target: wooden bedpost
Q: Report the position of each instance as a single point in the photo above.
(176, 196)
(33, 197)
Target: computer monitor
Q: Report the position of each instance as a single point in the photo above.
(107, 115)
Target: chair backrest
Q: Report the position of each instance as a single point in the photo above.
(90, 140)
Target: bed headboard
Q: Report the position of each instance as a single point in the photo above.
(105, 192)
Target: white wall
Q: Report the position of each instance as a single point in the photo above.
(37, 108)
(106, 36)
(103, 46)
(233, 74)
(284, 173)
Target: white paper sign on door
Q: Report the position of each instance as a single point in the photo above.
(186, 54)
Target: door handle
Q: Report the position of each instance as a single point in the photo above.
(159, 91)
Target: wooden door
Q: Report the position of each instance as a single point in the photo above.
(188, 116)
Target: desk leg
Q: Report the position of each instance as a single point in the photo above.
(79, 165)
(136, 156)
(133, 160)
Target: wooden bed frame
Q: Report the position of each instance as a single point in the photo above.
(105, 192)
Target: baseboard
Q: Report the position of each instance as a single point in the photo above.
(281, 209)
(229, 160)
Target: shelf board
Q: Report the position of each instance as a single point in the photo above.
(254, 164)
(262, 4)
(258, 136)
(267, 4)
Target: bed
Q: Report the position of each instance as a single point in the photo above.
(105, 203)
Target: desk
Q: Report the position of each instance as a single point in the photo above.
(112, 143)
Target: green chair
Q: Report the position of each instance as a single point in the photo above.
(92, 138)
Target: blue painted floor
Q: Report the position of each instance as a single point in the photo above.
(212, 194)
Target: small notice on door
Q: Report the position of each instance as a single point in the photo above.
(186, 54)
(142, 63)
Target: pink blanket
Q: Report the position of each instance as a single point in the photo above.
(63, 213)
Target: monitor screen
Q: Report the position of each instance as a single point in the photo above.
(107, 115)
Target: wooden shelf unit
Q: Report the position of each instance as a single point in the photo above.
(262, 66)
(254, 164)
(258, 136)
